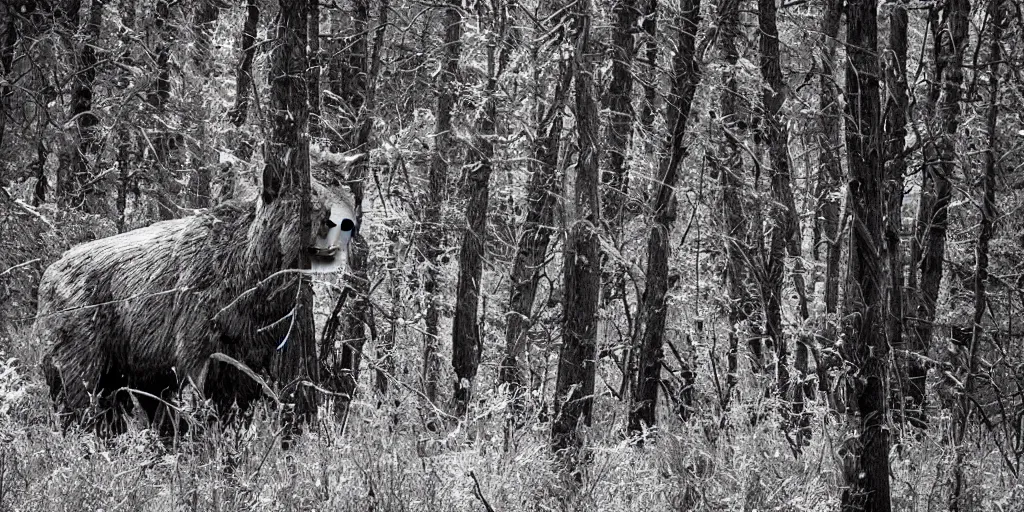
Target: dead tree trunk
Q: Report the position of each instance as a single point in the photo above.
(866, 349)
(686, 74)
(574, 388)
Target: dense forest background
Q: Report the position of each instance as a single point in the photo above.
(630, 255)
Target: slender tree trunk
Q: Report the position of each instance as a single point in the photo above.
(686, 74)
(437, 186)
(929, 247)
(895, 133)
(615, 178)
(125, 140)
(784, 230)
(650, 28)
(542, 194)
(866, 348)
(286, 181)
(243, 80)
(313, 78)
(829, 182)
(73, 179)
(204, 19)
(727, 165)
(467, 343)
(574, 388)
(962, 419)
(8, 39)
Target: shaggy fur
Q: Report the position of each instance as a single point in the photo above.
(146, 309)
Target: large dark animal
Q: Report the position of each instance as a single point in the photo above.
(146, 309)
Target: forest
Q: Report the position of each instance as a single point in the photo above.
(500, 255)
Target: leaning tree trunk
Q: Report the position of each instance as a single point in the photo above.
(965, 402)
(686, 74)
(466, 341)
(286, 181)
(574, 388)
(929, 245)
(866, 348)
(895, 133)
(829, 182)
(436, 192)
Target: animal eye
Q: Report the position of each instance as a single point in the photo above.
(347, 225)
(329, 223)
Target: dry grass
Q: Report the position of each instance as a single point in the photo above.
(386, 461)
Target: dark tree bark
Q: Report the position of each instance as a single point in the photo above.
(727, 165)
(866, 350)
(686, 74)
(574, 388)
(204, 19)
(313, 80)
(243, 80)
(73, 175)
(965, 405)
(286, 182)
(615, 178)
(650, 28)
(436, 191)
(467, 343)
(542, 194)
(8, 39)
(929, 245)
(164, 142)
(829, 182)
(895, 133)
(784, 230)
(125, 140)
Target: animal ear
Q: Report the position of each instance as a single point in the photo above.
(347, 225)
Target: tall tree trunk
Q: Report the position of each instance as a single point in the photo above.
(467, 343)
(784, 230)
(8, 39)
(866, 349)
(436, 191)
(164, 141)
(313, 78)
(542, 194)
(686, 74)
(73, 179)
(243, 80)
(574, 388)
(286, 181)
(204, 19)
(895, 133)
(829, 182)
(965, 405)
(615, 178)
(125, 141)
(650, 28)
(929, 245)
(727, 165)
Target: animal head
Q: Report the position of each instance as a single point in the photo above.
(334, 224)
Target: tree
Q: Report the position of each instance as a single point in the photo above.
(574, 388)
(866, 348)
(286, 185)
(618, 132)
(467, 343)
(928, 247)
(542, 193)
(686, 74)
(243, 79)
(436, 191)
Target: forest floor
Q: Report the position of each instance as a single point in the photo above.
(385, 460)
